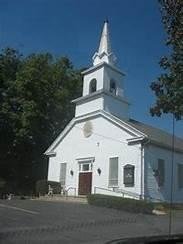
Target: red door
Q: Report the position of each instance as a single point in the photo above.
(85, 183)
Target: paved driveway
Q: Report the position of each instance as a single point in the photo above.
(33, 221)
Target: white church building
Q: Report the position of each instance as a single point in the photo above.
(102, 150)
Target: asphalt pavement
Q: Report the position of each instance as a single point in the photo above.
(35, 221)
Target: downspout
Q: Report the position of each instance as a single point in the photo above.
(142, 171)
(143, 143)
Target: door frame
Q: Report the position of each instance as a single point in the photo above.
(84, 161)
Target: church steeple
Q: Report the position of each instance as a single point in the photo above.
(103, 83)
(104, 53)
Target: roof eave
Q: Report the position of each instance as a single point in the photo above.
(50, 153)
(138, 139)
(163, 145)
(130, 129)
(91, 69)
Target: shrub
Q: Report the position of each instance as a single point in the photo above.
(167, 206)
(127, 204)
(2, 183)
(42, 187)
(56, 186)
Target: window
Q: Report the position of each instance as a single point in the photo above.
(63, 167)
(113, 87)
(85, 166)
(113, 171)
(180, 175)
(93, 86)
(128, 175)
(161, 172)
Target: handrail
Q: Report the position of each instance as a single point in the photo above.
(101, 188)
(68, 189)
(128, 193)
(121, 191)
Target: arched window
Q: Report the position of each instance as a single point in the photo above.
(113, 87)
(93, 86)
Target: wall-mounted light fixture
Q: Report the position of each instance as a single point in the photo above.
(99, 171)
(71, 172)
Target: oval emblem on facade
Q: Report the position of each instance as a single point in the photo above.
(87, 129)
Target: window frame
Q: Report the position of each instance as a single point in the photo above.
(112, 179)
(63, 180)
(83, 163)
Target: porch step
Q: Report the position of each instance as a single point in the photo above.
(78, 199)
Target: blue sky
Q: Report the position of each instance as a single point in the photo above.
(73, 28)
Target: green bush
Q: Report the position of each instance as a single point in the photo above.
(42, 187)
(167, 206)
(2, 183)
(127, 204)
(56, 186)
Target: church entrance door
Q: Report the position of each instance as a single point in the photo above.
(85, 177)
(85, 183)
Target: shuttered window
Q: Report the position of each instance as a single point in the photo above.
(113, 171)
(63, 167)
(161, 172)
(180, 175)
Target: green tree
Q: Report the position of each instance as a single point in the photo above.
(168, 88)
(37, 107)
(10, 62)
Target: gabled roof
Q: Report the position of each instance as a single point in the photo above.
(158, 136)
(113, 119)
(138, 130)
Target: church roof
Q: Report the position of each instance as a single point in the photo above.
(139, 130)
(158, 136)
(121, 123)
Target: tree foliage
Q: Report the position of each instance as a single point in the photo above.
(168, 88)
(35, 95)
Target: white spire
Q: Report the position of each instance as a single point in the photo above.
(104, 53)
(105, 45)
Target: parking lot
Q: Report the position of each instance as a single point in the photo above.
(35, 221)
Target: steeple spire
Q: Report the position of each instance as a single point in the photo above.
(105, 45)
(104, 53)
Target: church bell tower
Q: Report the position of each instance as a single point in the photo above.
(103, 83)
